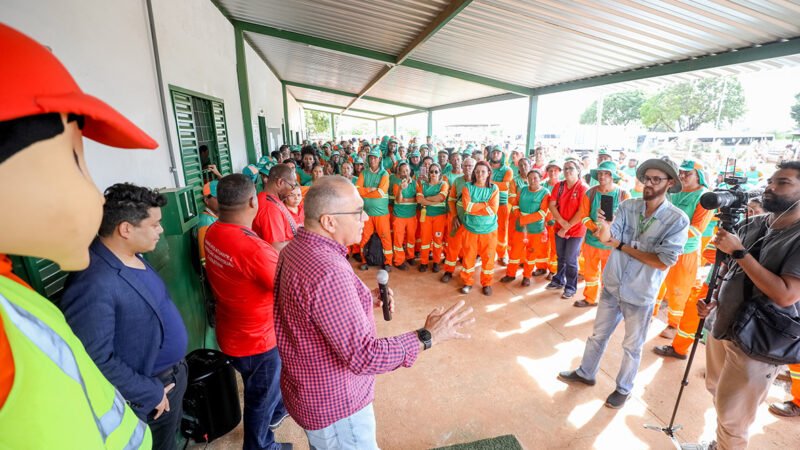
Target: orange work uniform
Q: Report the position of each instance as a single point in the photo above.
(480, 231)
(528, 242)
(404, 222)
(501, 177)
(373, 188)
(435, 220)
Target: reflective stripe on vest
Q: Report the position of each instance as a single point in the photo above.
(53, 346)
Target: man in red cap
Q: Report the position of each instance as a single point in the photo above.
(60, 398)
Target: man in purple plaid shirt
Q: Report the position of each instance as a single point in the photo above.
(325, 326)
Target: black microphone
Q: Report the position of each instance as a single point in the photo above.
(383, 287)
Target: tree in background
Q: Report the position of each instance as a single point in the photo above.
(621, 108)
(318, 124)
(686, 106)
(795, 113)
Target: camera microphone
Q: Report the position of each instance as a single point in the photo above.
(383, 287)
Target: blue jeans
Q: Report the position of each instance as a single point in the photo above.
(263, 403)
(609, 312)
(355, 432)
(568, 250)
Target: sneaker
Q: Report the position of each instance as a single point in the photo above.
(507, 279)
(669, 332)
(571, 376)
(525, 282)
(487, 290)
(465, 289)
(403, 266)
(583, 304)
(785, 409)
(553, 286)
(274, 426)
(668, 351)
(567, 295)
(539, 272)
(616, 400)
(435, 268)
(357, 257)
(446, 277)
(423, 267)
(364, 267)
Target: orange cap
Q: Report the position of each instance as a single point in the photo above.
(33, 81)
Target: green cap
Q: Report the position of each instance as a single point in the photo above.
(497, 148)
(423, 146)
(552, 163)
(689, 164)
(210, 188)
(295, 149)
(357, 160)
(413, 154)
(251, 171)
(334, 153)
(466, 151)
(264, 160)
(606, 166)
(375, 152)
(604, 151)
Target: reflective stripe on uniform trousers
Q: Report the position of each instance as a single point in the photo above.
(53, 346)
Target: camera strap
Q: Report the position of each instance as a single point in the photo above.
(755, 251)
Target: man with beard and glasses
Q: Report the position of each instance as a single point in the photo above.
(648, 235)
(738, 382)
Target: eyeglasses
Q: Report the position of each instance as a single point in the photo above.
(358, 212)
(293, 184)
(655, 181)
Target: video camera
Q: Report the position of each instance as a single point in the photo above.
(731, 202)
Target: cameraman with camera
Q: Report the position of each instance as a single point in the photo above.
(757, 309)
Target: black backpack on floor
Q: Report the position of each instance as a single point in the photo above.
(373, 252)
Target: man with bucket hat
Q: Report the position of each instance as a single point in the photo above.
(647, 235)
(681, 277)
(595, 253)
(60, 398)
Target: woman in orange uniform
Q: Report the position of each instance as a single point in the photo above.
(404, 217)
(432, 198)
(528, 235)
(481, 200)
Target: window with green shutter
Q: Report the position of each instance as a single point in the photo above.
(42, 274)
(200, 120)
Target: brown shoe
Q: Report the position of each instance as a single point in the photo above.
(785, 409)
(584, 304)
(669, 332)
(667, 351)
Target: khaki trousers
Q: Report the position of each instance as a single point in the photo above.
(739, 384)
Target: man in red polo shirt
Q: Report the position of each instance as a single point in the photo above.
(274, 223)
(564, 205)
(241, 270)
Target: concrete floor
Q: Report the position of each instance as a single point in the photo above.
(503, 380)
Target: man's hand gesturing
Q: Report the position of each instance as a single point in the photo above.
(444, 325)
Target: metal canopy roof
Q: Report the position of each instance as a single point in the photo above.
(392, 57)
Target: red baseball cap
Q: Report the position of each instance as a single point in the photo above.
(33, 81)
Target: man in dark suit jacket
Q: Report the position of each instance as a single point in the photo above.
(121, 311)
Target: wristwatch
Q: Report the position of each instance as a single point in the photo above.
(739, 254)
(619, 247)
(424, 337)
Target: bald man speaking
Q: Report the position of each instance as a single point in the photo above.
(326, 329)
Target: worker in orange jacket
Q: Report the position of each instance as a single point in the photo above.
(681, 276)
(455, 238)
(404, 217)
(481, 200)
(432, 199)
(373, 186)
(553, 171)
(595, 253)
(501, 177)
(527, 234)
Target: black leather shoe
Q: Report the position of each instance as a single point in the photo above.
(423, 267)
(539, 272)
(487, 290)
(616, 400)
(571, 376)
(387, 267)
(506, 279)
(583, 304)
(526, 282)
(668, 351)
(447, 277)
(412, 262)
(435, 268)
(403, 266)
(357, 257)
(785, 409)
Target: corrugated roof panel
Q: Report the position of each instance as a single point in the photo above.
(318, 96)
(417, 87)
(301, 63)
(382, 25)
(547, 42)
(384, 108)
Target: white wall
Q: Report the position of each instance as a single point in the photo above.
(108, 51)
(198, 52)
(265, 95)
(296, 119)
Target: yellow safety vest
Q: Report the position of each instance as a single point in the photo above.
(59, 399)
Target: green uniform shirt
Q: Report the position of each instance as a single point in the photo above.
(636, 194)
(498, 175)
(429, 190)
(688, 202)
(530, 203)
(406, 210)
(480, 224)
(594, 196)
(519, 184)
(305, 178)
(375, 206)
(459, 184)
